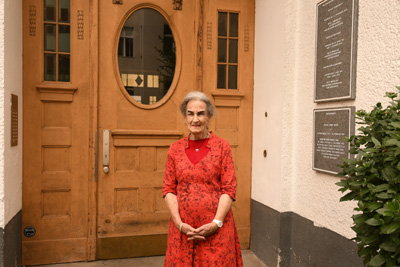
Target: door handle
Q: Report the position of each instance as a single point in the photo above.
(106, 151)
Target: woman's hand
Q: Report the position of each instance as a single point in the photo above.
(203, 231)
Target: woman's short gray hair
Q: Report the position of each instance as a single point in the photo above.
(196, 95)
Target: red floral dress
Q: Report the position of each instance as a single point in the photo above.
(198, 188)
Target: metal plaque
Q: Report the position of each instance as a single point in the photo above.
(29, 231)
(331, 126)
(14, 120)
(336, 50)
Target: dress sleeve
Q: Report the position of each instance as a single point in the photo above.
(169, 182)
(228, 176)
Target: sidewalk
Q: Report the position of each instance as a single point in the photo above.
(249, 260)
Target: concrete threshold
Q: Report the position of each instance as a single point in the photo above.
(249, 260)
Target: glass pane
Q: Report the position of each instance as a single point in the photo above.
(63, 68)
(233, 24)
(221, 79)
(64, 38)
(63, 15)
(49, 67)
(49, 37)
(121, 47)
(155, 55)
(129, 47)
(233, 51)
(222, 24)
(222, 50)
(50, 10)
(232, 77)
(128, 31)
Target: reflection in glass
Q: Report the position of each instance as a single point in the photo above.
(146, 56)
(222, 50)
(63, 15)
(125, 45)
(49, 67)
(232, 77)
(49, 37)
(233, 50)
(233, 24)
(63, 68)
(221, 79)
(222, 24)
(50, 10)
(64, 38)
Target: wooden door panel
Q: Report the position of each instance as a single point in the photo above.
(130, 196)
(56, 176)
(234, 107)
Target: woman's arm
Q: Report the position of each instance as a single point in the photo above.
(225, 202)
(172, 204)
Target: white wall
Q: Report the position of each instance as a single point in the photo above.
(2, 115)
(284, 86)
(10, 83)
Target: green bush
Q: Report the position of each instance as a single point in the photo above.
(372, 178)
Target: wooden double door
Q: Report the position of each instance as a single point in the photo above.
(95, 143)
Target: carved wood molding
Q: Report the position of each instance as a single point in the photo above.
(246, 38)
(209, 35)
(144, 137)
(63, 92)
(199, 50)
(80, 24)
(32, 20)
(227, 98)
(177, 4)
(119, 133)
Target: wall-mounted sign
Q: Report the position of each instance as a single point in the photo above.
(331, 126)
(336, 50)
(14, 120)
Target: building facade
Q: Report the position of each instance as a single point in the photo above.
(55, 186)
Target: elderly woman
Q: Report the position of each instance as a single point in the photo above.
(199, 187)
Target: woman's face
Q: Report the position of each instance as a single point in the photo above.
(197, 119)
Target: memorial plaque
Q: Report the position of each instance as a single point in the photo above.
(336, 49)
(331, 126)
(14, 120)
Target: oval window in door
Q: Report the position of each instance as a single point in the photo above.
(147, 57)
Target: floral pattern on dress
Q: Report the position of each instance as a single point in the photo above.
(198, 188)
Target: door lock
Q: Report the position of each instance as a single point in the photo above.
(106, 151)
(106, 169)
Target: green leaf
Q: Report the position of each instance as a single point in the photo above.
(391, 142)
(360, 218)
(349, 196)
(364, 252)
(383, 196)
(393, 205)
(395, 124)
(342, 183)
(376, 142)
(389, 173)
(373, 206)
(385, 212)
(377, 260)
(380, 188)
(371, 238)
(374, 222)
(388, 246)
(388, 229)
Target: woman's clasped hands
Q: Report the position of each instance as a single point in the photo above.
(200, 233)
